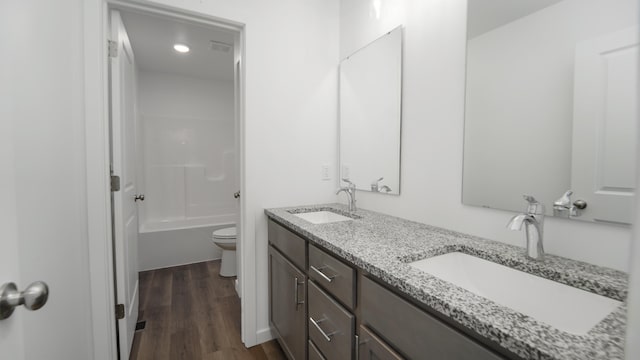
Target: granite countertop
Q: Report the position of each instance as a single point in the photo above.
(383, 245)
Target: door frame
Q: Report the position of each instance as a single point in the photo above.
(96, 112)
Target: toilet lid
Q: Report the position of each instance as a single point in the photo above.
(225, 233)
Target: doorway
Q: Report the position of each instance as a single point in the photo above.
(175, 160)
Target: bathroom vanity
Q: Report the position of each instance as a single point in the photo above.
(344, 289)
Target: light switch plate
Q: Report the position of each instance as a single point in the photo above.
(325, 174)
(345, 171)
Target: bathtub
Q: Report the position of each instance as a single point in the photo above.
(173, 242)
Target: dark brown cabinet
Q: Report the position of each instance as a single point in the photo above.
(413, 331)
(287, 309)
(371, 347)
(314, 353)
(331, 327)
(317, 301)
(336, 277)
(292, 246)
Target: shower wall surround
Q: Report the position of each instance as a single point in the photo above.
(186, 157)
(187, 141)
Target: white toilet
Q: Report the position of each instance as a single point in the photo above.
(225, 238)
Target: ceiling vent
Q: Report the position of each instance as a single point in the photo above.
(220, 46)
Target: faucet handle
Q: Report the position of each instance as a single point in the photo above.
(534, 207)
(347, 181)
(350, 183)
(564, 201)
(375, 186)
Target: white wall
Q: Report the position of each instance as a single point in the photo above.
(41, 85)
(290, 117)
(188, 144)
(432, 132)
(633, 313)
(508, 108)
(632, 349)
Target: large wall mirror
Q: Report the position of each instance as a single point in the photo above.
(370, 112)
(552, 106)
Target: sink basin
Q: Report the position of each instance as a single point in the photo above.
(564, 307)
(322, 217)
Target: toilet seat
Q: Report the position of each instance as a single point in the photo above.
(228, 233)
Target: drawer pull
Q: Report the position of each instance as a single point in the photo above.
(296, 300)
(319, 271)
(317, 325)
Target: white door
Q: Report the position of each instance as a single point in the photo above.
(125, 213)
(604, 125)
(11, 328)
(237, 96)
(43, 226)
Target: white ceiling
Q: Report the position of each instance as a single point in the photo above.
(486, 15)
(152, 39)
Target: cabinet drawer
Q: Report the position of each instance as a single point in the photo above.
(314, 353)
(333, 275)
(331, 327)
(372, 347)
(413, 332)
(290, 245)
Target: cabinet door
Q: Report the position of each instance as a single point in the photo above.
(371, 347)
(287, 311)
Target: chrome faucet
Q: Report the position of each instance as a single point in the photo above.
(533, 220)
(375, 186)
(350, 190)
(563, 207)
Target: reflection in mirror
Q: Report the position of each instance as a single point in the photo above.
(552, 106)
(370, 105)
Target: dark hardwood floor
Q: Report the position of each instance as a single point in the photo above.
(192, 313)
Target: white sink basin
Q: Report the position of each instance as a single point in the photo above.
(564, 307)
(322, 217)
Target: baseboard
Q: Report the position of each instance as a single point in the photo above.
(264, 335)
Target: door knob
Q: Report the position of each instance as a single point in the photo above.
(33, 297)
(138, 197)
(236, 194)
(580, 204)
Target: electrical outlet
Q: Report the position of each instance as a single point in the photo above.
(325, 172)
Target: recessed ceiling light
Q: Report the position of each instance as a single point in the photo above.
(181, 48)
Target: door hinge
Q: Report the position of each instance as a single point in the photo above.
(119, 311)
(115, 183)
(112, 47)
